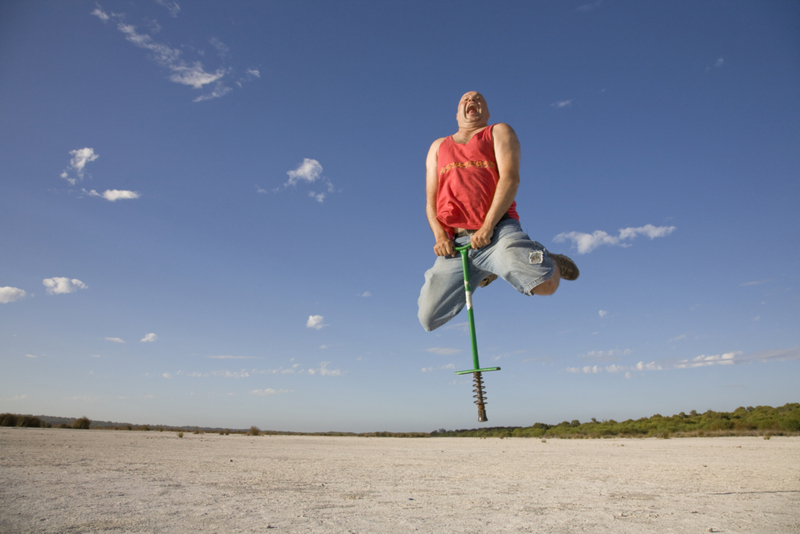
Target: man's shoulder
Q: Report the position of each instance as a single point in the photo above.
(435, 145)
(502, 127)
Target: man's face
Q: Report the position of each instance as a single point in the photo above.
(472, 110)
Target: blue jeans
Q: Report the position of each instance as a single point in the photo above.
(511, 255)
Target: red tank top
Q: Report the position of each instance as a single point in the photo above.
(467, 182)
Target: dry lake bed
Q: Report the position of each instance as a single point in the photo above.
(59, 480)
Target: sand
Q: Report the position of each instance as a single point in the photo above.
(58, 480)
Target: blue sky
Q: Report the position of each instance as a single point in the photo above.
(212, 213)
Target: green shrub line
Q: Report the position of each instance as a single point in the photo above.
(759, 421)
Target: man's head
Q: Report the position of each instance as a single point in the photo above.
(473, 112)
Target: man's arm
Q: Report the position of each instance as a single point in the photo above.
(443, 246)
(507, 155)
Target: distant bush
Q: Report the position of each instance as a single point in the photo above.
(761, 420)
(10, 419)
(254, 431)
(83, 423)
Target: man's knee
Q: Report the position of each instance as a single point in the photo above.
(426, 321)
(548, 287)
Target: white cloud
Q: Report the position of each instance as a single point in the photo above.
(270, 391)
(561, 104)
(149, 338)
(113, 195)
(115, 340)
(324, 371)
(310, 171)
(602, 313)
(316, 321)
(61, 285)
(244, 373)
(172, 7)
(443, 350)
(221, 47)
(31, 356)
(307, 171)
(226, 357)
(756, 282)
(185, 73)
(167, 375)
(438, 367)
(365, 294)
(701, 361)
(607, 355)
(719, 62)
(705, 361)
(219, 91)
(75, 170)
(586, 370)
(588, 242)
(99, 13)
(10, 294)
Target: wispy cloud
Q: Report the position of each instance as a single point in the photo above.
(270, 391)
(561, 104)
(149, 338)
(365, 294)
(602, 313)
(115, 339)
(756, 282)
(172, 7)
(60, 285)
(316, 322)
(308, 172)
(591, 6)
(11, 294)
(323, 370)
(438, 368)
(75, 170)
(443, 350)
(703, 360)
(182, 71)
(606, 355)
(588, 242)
(112, 195)
(226, 357)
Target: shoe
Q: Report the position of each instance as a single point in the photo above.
(488, 280)
(569, 271)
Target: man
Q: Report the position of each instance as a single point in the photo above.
(472, 178)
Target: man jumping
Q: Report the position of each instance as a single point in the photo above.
(472, 178)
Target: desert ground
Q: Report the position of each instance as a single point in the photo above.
(60, 480)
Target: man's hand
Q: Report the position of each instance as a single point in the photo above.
(444, 247)
(481, 238)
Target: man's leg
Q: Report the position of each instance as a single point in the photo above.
(564, 268)
(524, 263)
(442, 296)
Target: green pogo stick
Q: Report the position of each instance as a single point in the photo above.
(480, 393)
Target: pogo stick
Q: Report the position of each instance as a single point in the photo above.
(480, 393)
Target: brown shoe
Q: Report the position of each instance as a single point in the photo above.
(488, 280)
(569, 271)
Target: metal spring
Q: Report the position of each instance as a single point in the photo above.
(480, 389)
(480, 397)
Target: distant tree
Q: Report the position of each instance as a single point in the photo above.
(83, 423)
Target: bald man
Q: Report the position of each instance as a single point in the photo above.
(472, 178)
